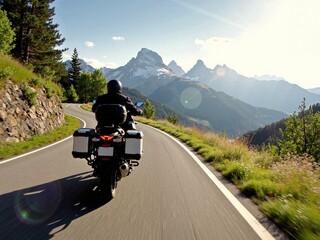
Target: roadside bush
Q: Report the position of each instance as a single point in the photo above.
(30, 95)
(234, 171)
(260, 189)
(36, 82)
(172, 118)
(6, 73)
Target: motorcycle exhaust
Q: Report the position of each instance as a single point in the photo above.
(124, 169)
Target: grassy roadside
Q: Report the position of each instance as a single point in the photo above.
(10, 69)
(87, 106)
(287, 190)
(10, 149)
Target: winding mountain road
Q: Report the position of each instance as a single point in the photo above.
(49, 194)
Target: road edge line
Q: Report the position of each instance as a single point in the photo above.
(261, 231)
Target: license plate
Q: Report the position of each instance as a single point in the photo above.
(105, 151)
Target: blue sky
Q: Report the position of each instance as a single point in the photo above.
(276, 37)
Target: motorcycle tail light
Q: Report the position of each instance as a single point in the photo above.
(106, 138)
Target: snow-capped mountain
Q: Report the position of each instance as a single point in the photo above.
(146, 72)
(149, 75)
(176, 68)
(272, 94)
(200, 72)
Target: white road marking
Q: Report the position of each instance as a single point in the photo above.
(251, 220)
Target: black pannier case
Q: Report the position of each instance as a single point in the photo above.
(82, 142)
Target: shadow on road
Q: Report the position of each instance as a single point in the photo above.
(41, 211)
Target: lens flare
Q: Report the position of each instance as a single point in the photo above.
(190, 98)
(34, 206)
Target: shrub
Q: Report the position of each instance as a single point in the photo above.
(234, 171)
(172, 118)
(6, 73)
(36, 82)
(30, 95)
(260, 188)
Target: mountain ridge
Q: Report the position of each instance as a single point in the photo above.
(221, 87)
(273, 94)
(223, 112)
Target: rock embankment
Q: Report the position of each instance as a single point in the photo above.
(19, 121)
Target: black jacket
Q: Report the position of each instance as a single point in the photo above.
(117, 98)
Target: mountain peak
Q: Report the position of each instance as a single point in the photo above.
(200, 63)
(145, 66)
(148, 57)
(200, 66)
(224, 66)
(176, 68)
(225, 70)
(199, 72)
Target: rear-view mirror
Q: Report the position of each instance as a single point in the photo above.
(139, 104)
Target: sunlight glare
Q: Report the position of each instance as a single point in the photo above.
(286, 42)
(190, 98)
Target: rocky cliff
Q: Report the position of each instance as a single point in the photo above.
(20, 121)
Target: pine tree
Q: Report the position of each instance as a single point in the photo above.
(36, 35)
(75, 69)
(149, 110)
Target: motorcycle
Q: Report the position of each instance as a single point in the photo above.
(112, 149)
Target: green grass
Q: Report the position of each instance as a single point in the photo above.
(287, 190)
(87, 106)
(10, 149)
(10, 69)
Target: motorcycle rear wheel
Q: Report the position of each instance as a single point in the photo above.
(108, 185)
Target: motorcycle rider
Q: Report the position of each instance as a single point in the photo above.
(114, 96)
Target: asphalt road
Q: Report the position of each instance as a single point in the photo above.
(49, 194)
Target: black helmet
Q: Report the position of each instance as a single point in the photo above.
(114, 86)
